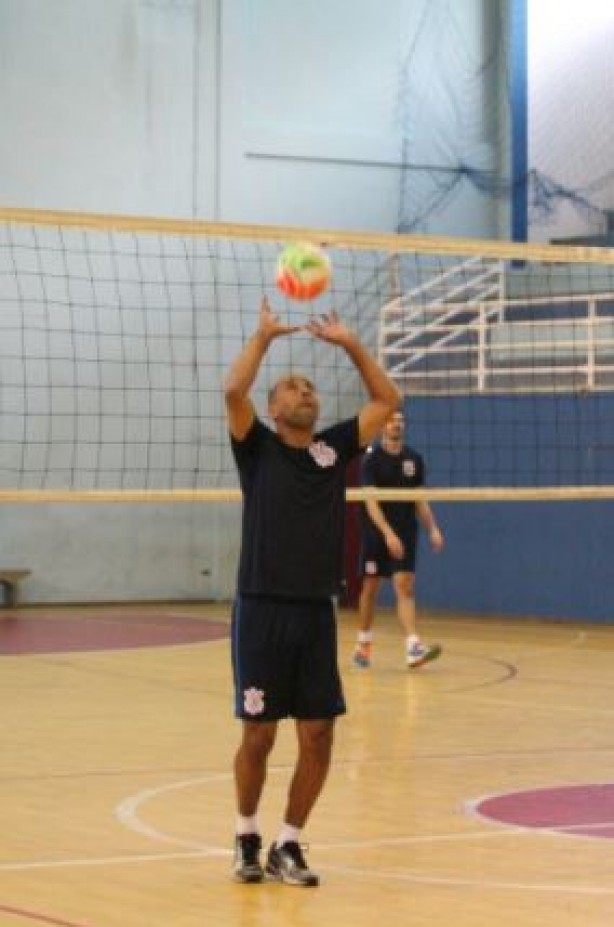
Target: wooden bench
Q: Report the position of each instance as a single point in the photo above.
(9, 580)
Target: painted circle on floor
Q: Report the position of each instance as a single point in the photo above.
(103, 629)
(578, 810)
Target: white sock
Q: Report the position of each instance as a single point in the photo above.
(411, 640)
(247, 825)
(288, 834)
(365, 637)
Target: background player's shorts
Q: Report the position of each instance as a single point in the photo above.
(375, 559)
(284, 659)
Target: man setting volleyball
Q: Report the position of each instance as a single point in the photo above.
(284, 648)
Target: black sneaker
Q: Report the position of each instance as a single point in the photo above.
(287, 864)
(247, 866)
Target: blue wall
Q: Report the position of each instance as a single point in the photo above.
(551, 559)
(559, 439)
(522, 559)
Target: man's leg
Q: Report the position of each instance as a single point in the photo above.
(251, 763)
(250, 768)
(315, 743)
(366, 615)
(417, 653)
(286, 861)
(404, 587)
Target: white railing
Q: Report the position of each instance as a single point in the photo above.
(541, 344)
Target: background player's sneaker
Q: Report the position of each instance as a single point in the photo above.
(247, 867)
(287, 864)
(362, 656)
(420, 653)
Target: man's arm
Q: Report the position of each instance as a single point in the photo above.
(384, 396)
(428, 522)
(392, 540)
(244, 370)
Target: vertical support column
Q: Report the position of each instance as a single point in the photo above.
(518, 26)
(591, 320)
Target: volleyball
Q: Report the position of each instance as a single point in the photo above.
(303, 271)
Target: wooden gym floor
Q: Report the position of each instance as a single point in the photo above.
(476, 791)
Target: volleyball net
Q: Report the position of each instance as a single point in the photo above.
(116, 332)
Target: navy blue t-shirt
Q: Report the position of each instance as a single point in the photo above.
(293, 511)
(393, 471)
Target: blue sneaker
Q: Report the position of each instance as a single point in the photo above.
(420, 653)
(362, 656)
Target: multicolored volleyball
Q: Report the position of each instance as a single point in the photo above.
(303, 271)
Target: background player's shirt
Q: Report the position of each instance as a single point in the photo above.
(393, 471)
(293, 511)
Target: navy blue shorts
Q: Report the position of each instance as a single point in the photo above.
(284, 659)
(375, 559)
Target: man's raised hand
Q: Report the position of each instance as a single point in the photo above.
(270, 326)
(328, 327)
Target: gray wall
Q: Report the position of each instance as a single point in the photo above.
(260, 111)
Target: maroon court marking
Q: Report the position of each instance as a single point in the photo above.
(584, 810)
(39, 918)
(105, 630)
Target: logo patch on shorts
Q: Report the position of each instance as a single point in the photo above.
(371, 567)
(253, 701)
(409, 468)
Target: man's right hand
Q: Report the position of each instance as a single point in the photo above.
(270, 327)
(394, 544)
(243, 371)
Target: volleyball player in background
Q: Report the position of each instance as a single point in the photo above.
(284, 647)
(389, 540)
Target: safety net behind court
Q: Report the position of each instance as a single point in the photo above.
(115, 334)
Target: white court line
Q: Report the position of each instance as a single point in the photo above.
(477, 883)
(107, 860)
(126, 811)
(351, 871)
(127, 814)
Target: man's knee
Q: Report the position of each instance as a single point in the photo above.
(258, 738)
(404, 584)
(316, 736)
(370, 587)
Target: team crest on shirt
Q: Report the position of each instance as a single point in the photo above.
(323, 454)
(253, 701)
(409, 468)
(371, 567)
